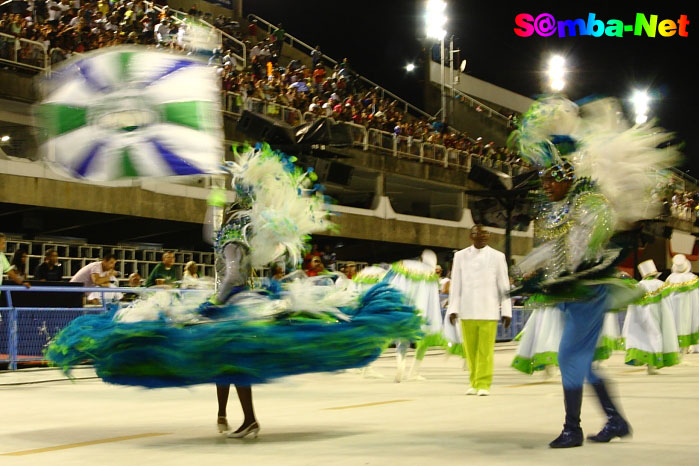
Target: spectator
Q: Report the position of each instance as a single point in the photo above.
(443, 281)
(350, 270)
(19, 263)
(216, 58)
(5, 267)
(255, 51)
(316, 55)
(252, 30)
(314, 252)
(191, 270)
(329, 258)
(279, 35)
(134, 282)
(96, 296)
(315, 267)
(274, 283)
(163, 273)
(190, 277)
(318, 77)
(97, 273)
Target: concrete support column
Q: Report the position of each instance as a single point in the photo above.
(379, 190)
(237, 6)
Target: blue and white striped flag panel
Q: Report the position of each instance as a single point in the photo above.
(126, 112)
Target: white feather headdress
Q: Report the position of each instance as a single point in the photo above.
(285, 206)
(625, 162)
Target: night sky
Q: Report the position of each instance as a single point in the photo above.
(380, 37)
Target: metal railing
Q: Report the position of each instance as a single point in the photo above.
(685, 178)
(359, 135)
(236, 103)
(23, 53)
(408, 147)
(304, 47)
(473, 103)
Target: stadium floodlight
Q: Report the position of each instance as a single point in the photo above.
(558, 85)
(5, 138)
(410, 67)
(556, 72)
(435, 19)
(640, 101)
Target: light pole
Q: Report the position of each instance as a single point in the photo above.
(435, 19)
(452, 74)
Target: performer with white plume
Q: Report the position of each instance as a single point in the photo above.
(598, 175)
(245, 336)
(128, 113)
(649, 327)
(683, 289)
(419, 282)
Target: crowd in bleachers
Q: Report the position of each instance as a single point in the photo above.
(683, 205)
(67, 27)
(336, 92)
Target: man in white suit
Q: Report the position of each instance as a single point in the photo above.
(479, 298)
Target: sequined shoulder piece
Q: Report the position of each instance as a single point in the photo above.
(235, 231)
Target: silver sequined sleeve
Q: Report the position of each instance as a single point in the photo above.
(591, 230)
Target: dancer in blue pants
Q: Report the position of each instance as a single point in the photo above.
(598, 177)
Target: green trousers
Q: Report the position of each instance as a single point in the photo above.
(479, 349)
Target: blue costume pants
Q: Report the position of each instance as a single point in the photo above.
(581, 331)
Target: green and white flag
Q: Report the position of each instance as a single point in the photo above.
(130, 112)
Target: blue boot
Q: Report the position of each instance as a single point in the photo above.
(572, 434)
(616, 425)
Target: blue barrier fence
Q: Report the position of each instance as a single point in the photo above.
(26, 331)
(519, 318)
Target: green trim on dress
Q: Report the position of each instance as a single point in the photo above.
(539, 361)
(688, 340)
(637, 357)
(400, 269)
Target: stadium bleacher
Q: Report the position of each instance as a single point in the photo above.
(75, 254)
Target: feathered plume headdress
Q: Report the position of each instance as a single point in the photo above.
(283, 202)
(545, 136)
(595, 142)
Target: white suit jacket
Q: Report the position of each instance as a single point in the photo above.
(480, 285)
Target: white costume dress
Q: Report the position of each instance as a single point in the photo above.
(541, 337)
(368, 277)
(418, 281)
(684, 302)
(539, 340)
(649, 329)
(420, 284)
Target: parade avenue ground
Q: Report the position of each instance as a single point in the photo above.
(344, 419)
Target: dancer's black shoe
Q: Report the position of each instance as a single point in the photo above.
(569, 438)
(616, 425)
(572, 434)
